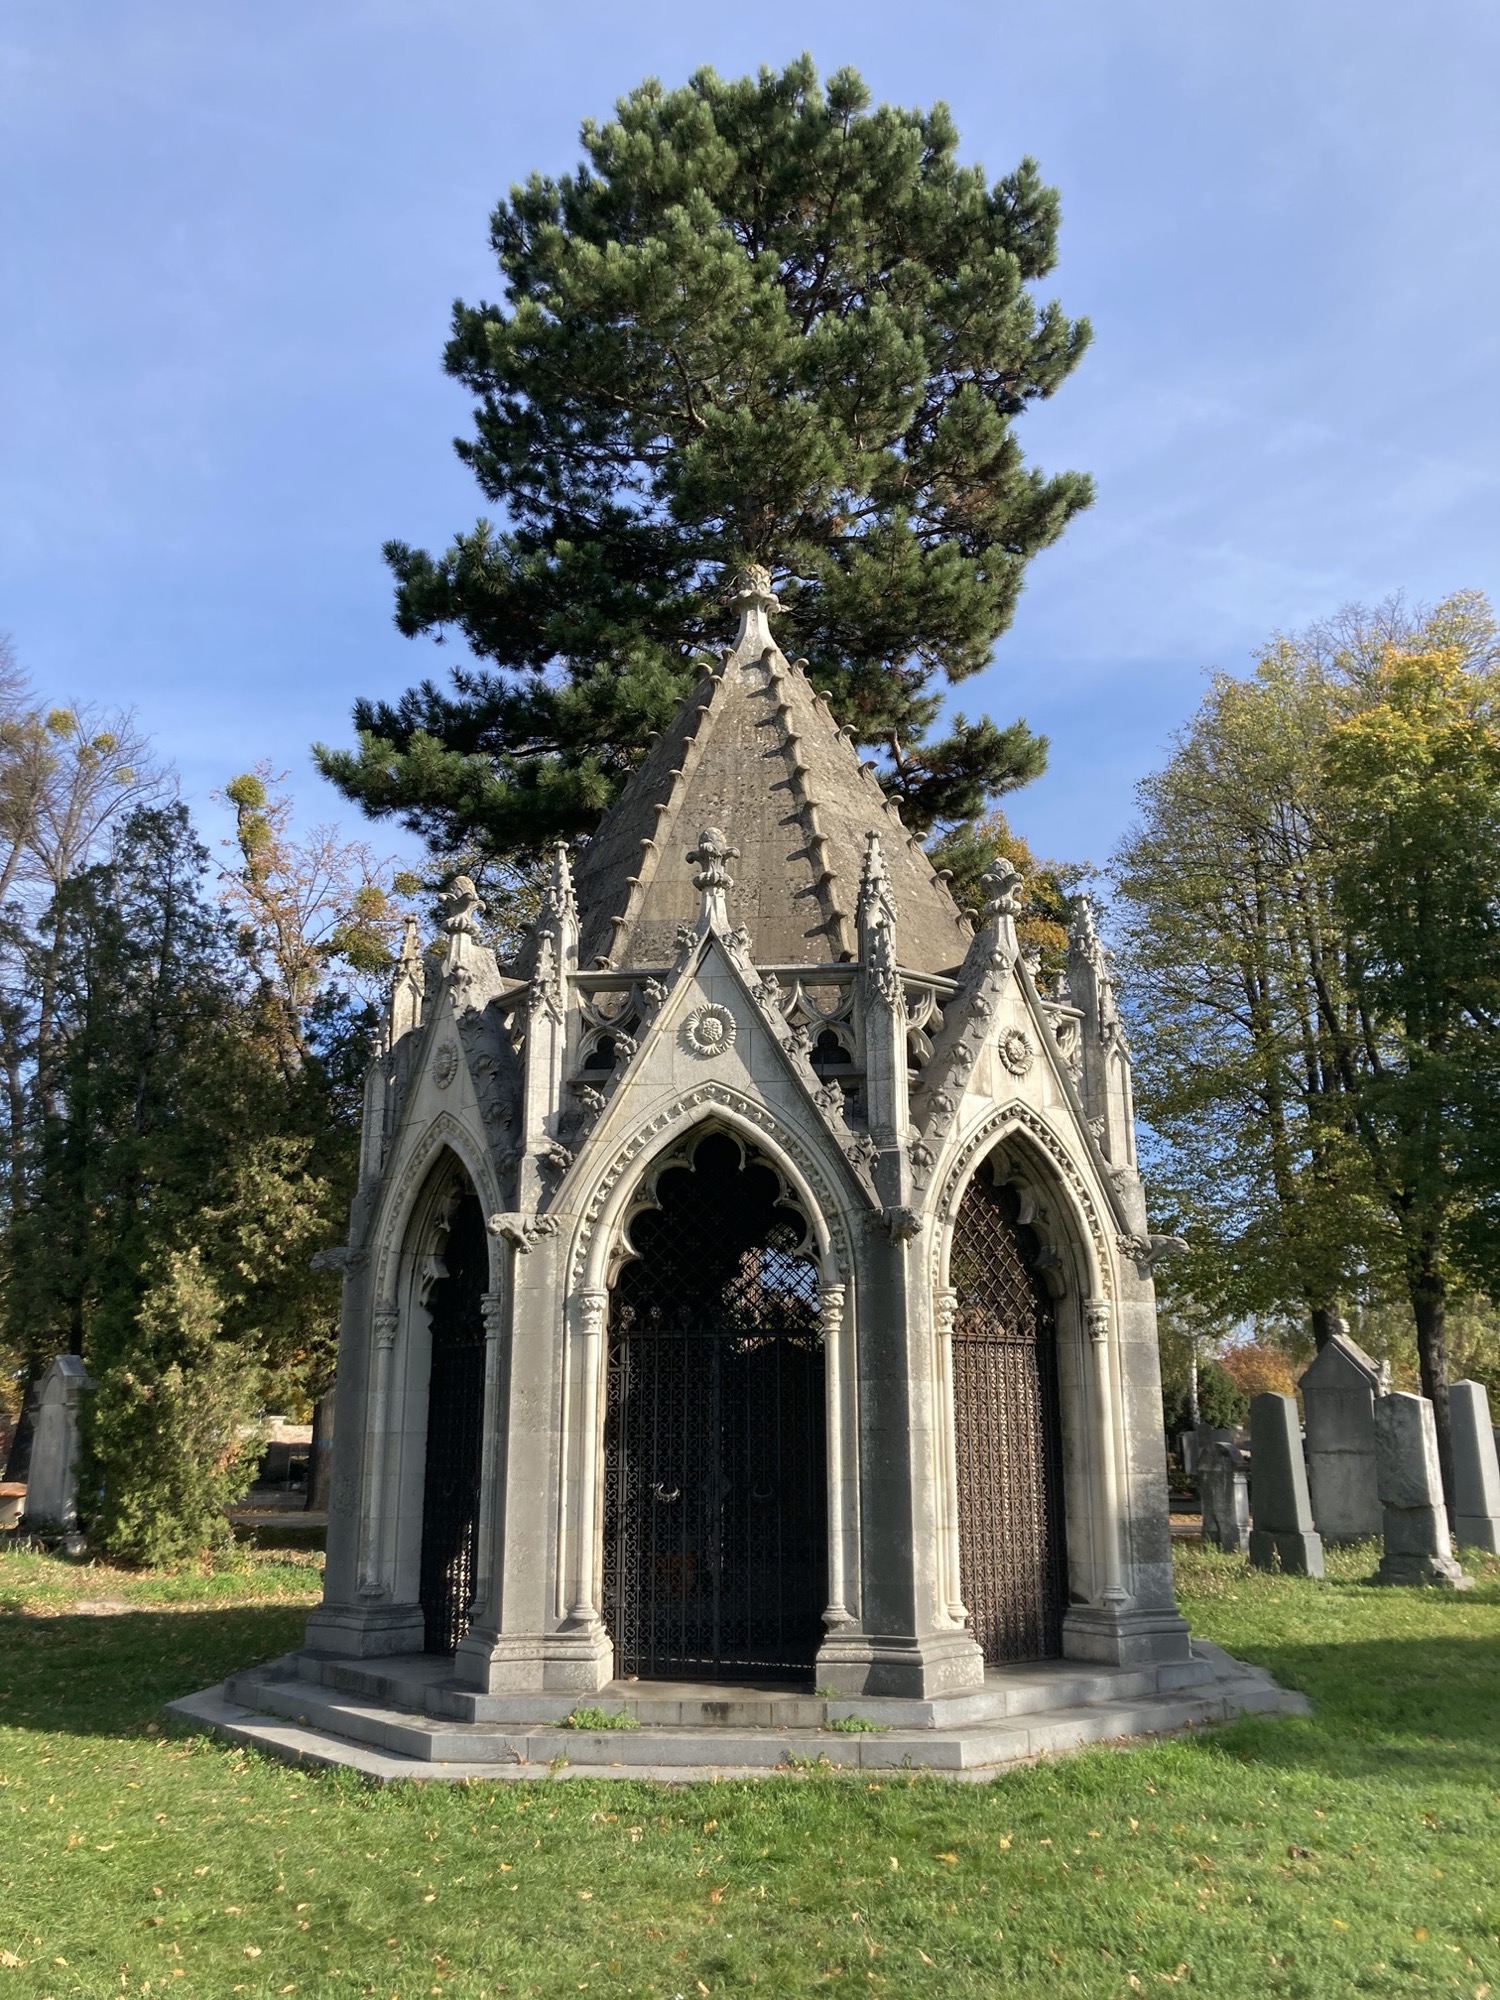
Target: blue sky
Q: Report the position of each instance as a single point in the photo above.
(232, 234)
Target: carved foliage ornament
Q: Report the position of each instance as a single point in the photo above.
(445, 1064)
(709, 1031)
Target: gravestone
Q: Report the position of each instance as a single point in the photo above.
(1476, 1469)
(1338, 1401)
(1282, 1528)
(1224, 1488)
(52, 1484)
(1417, 1544)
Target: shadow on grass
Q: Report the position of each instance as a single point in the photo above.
(1409, 1710)
(101, 1676)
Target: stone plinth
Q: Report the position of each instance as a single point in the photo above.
(1476, 1469)
(1417, 1544)
(1282, 1531)
(1338, 1400)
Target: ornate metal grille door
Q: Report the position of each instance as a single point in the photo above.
(715, 1537)
(1011, 1551)
(455, 1420)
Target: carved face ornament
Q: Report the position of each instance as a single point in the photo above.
(1015, 1051)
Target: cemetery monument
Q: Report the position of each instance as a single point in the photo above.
(752, 1283)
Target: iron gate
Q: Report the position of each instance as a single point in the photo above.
(455, 1422)
(715, 1538)
(1011, 1550)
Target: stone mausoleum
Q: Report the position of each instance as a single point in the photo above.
(751, 1284)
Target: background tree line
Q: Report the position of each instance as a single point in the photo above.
(183, 1047)
(1309, 911)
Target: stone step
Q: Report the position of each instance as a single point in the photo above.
(340, 1728)
(426, 1685)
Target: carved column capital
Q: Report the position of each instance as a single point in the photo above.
(492, 1310)
(1097, 1318)
(832, 1299)
(593, 1309)
(387, 1321)
(945, 1310)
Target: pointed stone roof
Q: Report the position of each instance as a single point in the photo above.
(755, 751)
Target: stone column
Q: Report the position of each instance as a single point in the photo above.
(946, 1309)
(1476, 1470)
(583, 1602)
(372, 1581)
(539, 1633)
(1281, 1512)
(491, 1447)
(1418, 1548)
(904, 1643)
(842, 1510)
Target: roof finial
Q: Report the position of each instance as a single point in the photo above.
(461, 907)
(713, 878)
(752, 596)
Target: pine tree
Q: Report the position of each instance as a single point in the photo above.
(761, 322)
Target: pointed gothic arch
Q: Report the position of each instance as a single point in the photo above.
(715, 1467)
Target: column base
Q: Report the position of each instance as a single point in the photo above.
(1299, 1554)
(1119, 1637)
(577, 1662)
(365, 1632)
(907, 1668)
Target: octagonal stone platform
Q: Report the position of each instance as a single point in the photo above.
(407, 1718)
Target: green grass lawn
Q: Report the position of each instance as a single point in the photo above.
(1357, 1851)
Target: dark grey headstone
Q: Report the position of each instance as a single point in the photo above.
(1282, 1530)
(1338, 1402)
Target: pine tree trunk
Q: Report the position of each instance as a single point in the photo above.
(1429, 1304)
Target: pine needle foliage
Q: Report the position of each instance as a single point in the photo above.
(761, 321)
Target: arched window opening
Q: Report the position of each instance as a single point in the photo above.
(1008, 1431)
(830, 1056)
(715, 1559)
(455, 1424)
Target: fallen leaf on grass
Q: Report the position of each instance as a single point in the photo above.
(1420, 1933)
(947, 1857)
(924, 1958)
(1005, 1840)
(9, 1958)
(252, 1951)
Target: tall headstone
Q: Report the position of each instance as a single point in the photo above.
(1476, 1469)
(1417, 1544)
(1338, 1402)
(1224, 1488)
(52, 1484)
(1281, 1528)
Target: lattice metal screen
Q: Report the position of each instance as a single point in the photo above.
(455, 1420)
(1012, 1555)
(715, 1539)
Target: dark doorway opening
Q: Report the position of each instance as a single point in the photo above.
(1007, 1415)
(455, 1429)
(715, 1514)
